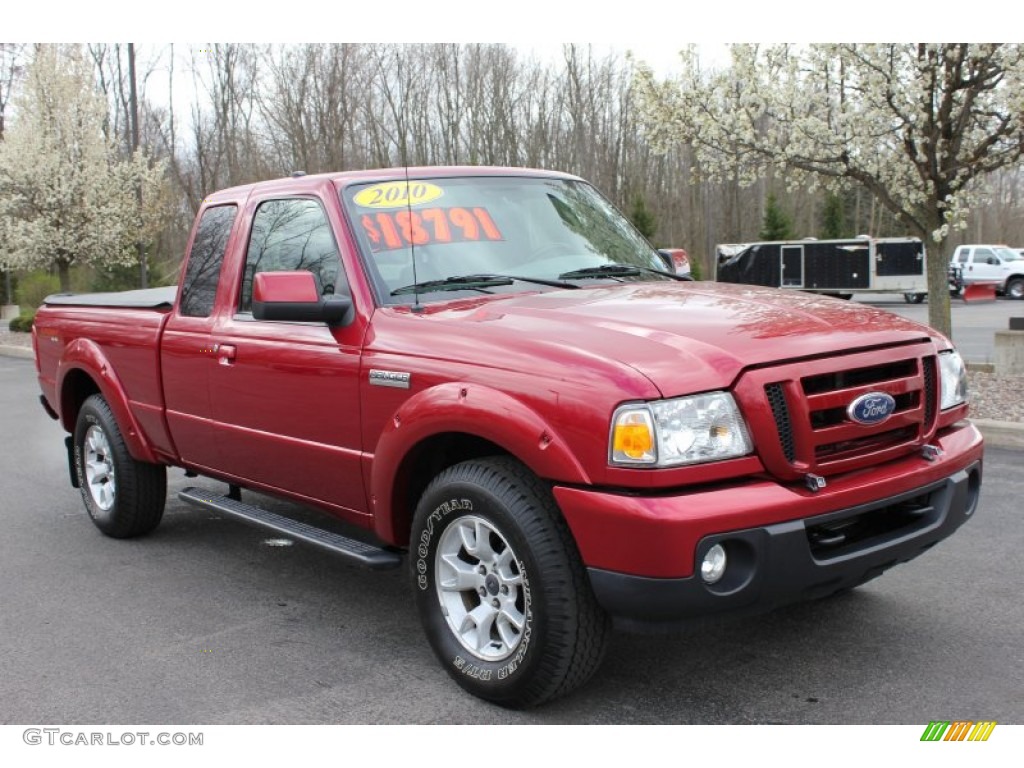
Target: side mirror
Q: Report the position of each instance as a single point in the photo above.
(294, 297)
(677, 261)
(670, 264)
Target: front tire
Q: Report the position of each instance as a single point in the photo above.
(914, 298)
(124, 497)
(502, 594)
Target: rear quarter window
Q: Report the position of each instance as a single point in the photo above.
(202, 271)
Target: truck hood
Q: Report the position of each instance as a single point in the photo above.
(683, 337)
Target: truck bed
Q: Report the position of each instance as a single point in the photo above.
(149, 298)
(116, 337)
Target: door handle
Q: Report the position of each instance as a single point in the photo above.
(226, 354)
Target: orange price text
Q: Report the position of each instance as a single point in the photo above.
(387, 230)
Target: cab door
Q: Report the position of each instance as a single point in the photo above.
(984, 266)
(187, 354)
(285, 394)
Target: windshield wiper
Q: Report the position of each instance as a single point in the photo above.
(478, 282)
(617, 270)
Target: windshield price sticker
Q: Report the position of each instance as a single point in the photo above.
(397, 194)
(387, 230)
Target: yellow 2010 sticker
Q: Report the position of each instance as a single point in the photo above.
(397, 194)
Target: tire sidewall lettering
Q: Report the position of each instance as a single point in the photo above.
(509, 666)
(79, 463)
(432, 523)
(471, 669)
(89, 420)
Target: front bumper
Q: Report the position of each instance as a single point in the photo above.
(789, 544)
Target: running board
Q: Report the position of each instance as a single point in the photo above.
(356, 551)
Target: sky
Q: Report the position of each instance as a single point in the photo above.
(662, 26)
(655, 30)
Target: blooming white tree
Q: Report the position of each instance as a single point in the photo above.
(918, 125)
(66, 197)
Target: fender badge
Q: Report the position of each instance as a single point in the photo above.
(400, 379)
(871, 408)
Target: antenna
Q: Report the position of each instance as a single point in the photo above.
(416, 306)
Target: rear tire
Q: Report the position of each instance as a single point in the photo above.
(502, 594)
(914, 298)
(124, 497)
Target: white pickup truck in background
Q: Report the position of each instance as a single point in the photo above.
(996, 264)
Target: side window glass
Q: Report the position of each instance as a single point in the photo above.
(290, 235)
(961, 256)
(983, 255)
(202, 271)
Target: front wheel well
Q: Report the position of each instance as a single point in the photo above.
(422, 464)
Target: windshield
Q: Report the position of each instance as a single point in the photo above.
(526, 229)
(1008, 254)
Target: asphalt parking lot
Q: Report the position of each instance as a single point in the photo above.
(974, 323)
(205, 622)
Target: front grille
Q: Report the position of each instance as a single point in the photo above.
(777, 401)
(805, 427)
(855, 447)
(833, 380)
(930, 396)
(831, 417)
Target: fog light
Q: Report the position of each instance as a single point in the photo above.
(713, 567)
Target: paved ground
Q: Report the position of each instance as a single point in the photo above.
(203, 622)
(974, 323)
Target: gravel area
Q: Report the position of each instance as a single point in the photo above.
(1000, 398)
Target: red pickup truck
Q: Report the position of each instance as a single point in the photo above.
(496, 378)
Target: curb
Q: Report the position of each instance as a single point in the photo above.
(997, 434)
(1001, 434)
(11, 351)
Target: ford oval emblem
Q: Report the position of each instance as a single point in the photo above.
(872, 408)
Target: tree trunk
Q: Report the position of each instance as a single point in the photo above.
(938, 276)
(133, 122)
(64, 273)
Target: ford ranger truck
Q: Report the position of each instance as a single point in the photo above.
(491, 377)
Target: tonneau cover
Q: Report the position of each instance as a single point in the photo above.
(148, 298)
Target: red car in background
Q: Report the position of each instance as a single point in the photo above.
(680, 260)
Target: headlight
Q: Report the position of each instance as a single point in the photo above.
(954, 379)
(686, 430)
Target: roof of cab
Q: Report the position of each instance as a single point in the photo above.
(293, 184)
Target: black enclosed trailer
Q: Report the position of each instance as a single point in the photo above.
(835, 267)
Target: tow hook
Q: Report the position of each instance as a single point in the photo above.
(814, 482)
